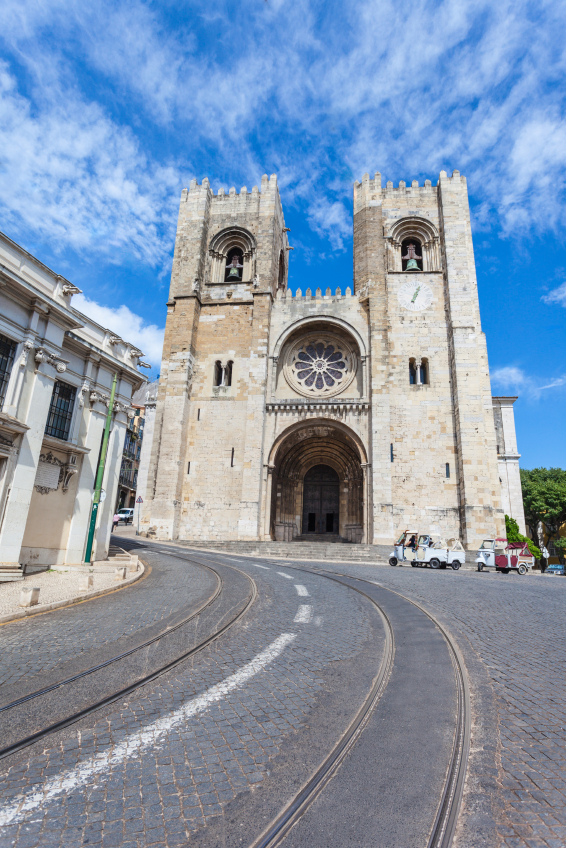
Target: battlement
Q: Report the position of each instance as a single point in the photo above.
(267, 184)
(288, 295)
(369, 189)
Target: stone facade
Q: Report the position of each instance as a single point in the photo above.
(508, 460)
(56, 368)
(386, 386)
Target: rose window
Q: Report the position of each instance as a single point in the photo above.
(320, 366)
(323, 365)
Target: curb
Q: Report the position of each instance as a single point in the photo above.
(77, 599)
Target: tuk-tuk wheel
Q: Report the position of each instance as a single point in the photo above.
(392, 560)
(504, 570)
(480, 566)
(435, 563)
(455, 565)
(522, 569)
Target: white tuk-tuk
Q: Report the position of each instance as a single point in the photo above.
(504, 556)
(427, 549)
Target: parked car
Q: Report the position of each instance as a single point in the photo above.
(126, 515)
(554, 568)
(504, 556)
(427, 549)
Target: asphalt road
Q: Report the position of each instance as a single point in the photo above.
(209, 752)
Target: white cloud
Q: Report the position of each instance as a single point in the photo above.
(129, 326)
(336, 91)
(512, 379)
(330, 219)
(556, 296)
(76, 178)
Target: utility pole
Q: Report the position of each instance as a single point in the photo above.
(100, 475)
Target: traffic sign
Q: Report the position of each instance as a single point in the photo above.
(139, 500)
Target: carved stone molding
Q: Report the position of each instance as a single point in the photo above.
(82, 392)
(57, 362)
(67, 470)
(28, 345)
(70, 289)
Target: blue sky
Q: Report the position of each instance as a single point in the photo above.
(108, 109)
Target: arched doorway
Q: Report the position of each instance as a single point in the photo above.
(317, 484)
(321, 500)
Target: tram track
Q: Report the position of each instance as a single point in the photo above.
(444, 827)
(32, 738)
(274, 834)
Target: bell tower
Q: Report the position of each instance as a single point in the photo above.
(231, 257)
(434, 458)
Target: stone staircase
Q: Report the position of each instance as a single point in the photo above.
(10, 573)
(298, 550)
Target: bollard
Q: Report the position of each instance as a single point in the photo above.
(86, 583)
(29, 597)
(120, 573)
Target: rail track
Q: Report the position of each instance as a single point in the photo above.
(444, 826)
(34, 737)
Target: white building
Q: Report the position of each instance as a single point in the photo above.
(56, 369)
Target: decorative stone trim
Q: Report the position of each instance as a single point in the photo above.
(43, 355)
(317, 405)
(67, 470)
(70, 289)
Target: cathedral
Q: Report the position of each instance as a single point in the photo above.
(345, 417)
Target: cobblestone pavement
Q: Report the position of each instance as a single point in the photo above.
(36, 646)
(515, 626)
(155, 769)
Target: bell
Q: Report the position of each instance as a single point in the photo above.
(234, 274)
(412, 265)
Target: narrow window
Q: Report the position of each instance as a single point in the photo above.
(391, 450)
(61, 411)
(7, 351)
(228, 374)
(448, 469)
(232, 459)
(497, 448)
(412, 255)
(188, 468)
(412, 372)
(198, 414)
(424, 372)
(234, 267)
(218, 373)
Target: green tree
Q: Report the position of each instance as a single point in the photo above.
(544, 499)
(513, 535)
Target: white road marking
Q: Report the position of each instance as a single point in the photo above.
(304, 614)
(301, 590)
(255, 565)
(133, 745)
(282, 574)
(318, 620)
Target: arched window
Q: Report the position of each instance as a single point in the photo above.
(412, 255)
(231, 256)
(412, 372)
(228, 374)
(401, 233)
(218, 373)
(423, 372)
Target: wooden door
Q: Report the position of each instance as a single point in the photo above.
(321, 500)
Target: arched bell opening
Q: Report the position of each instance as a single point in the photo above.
(317, 487)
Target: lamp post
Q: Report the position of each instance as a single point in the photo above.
(100, 475)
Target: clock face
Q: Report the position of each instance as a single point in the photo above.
(415, 296)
